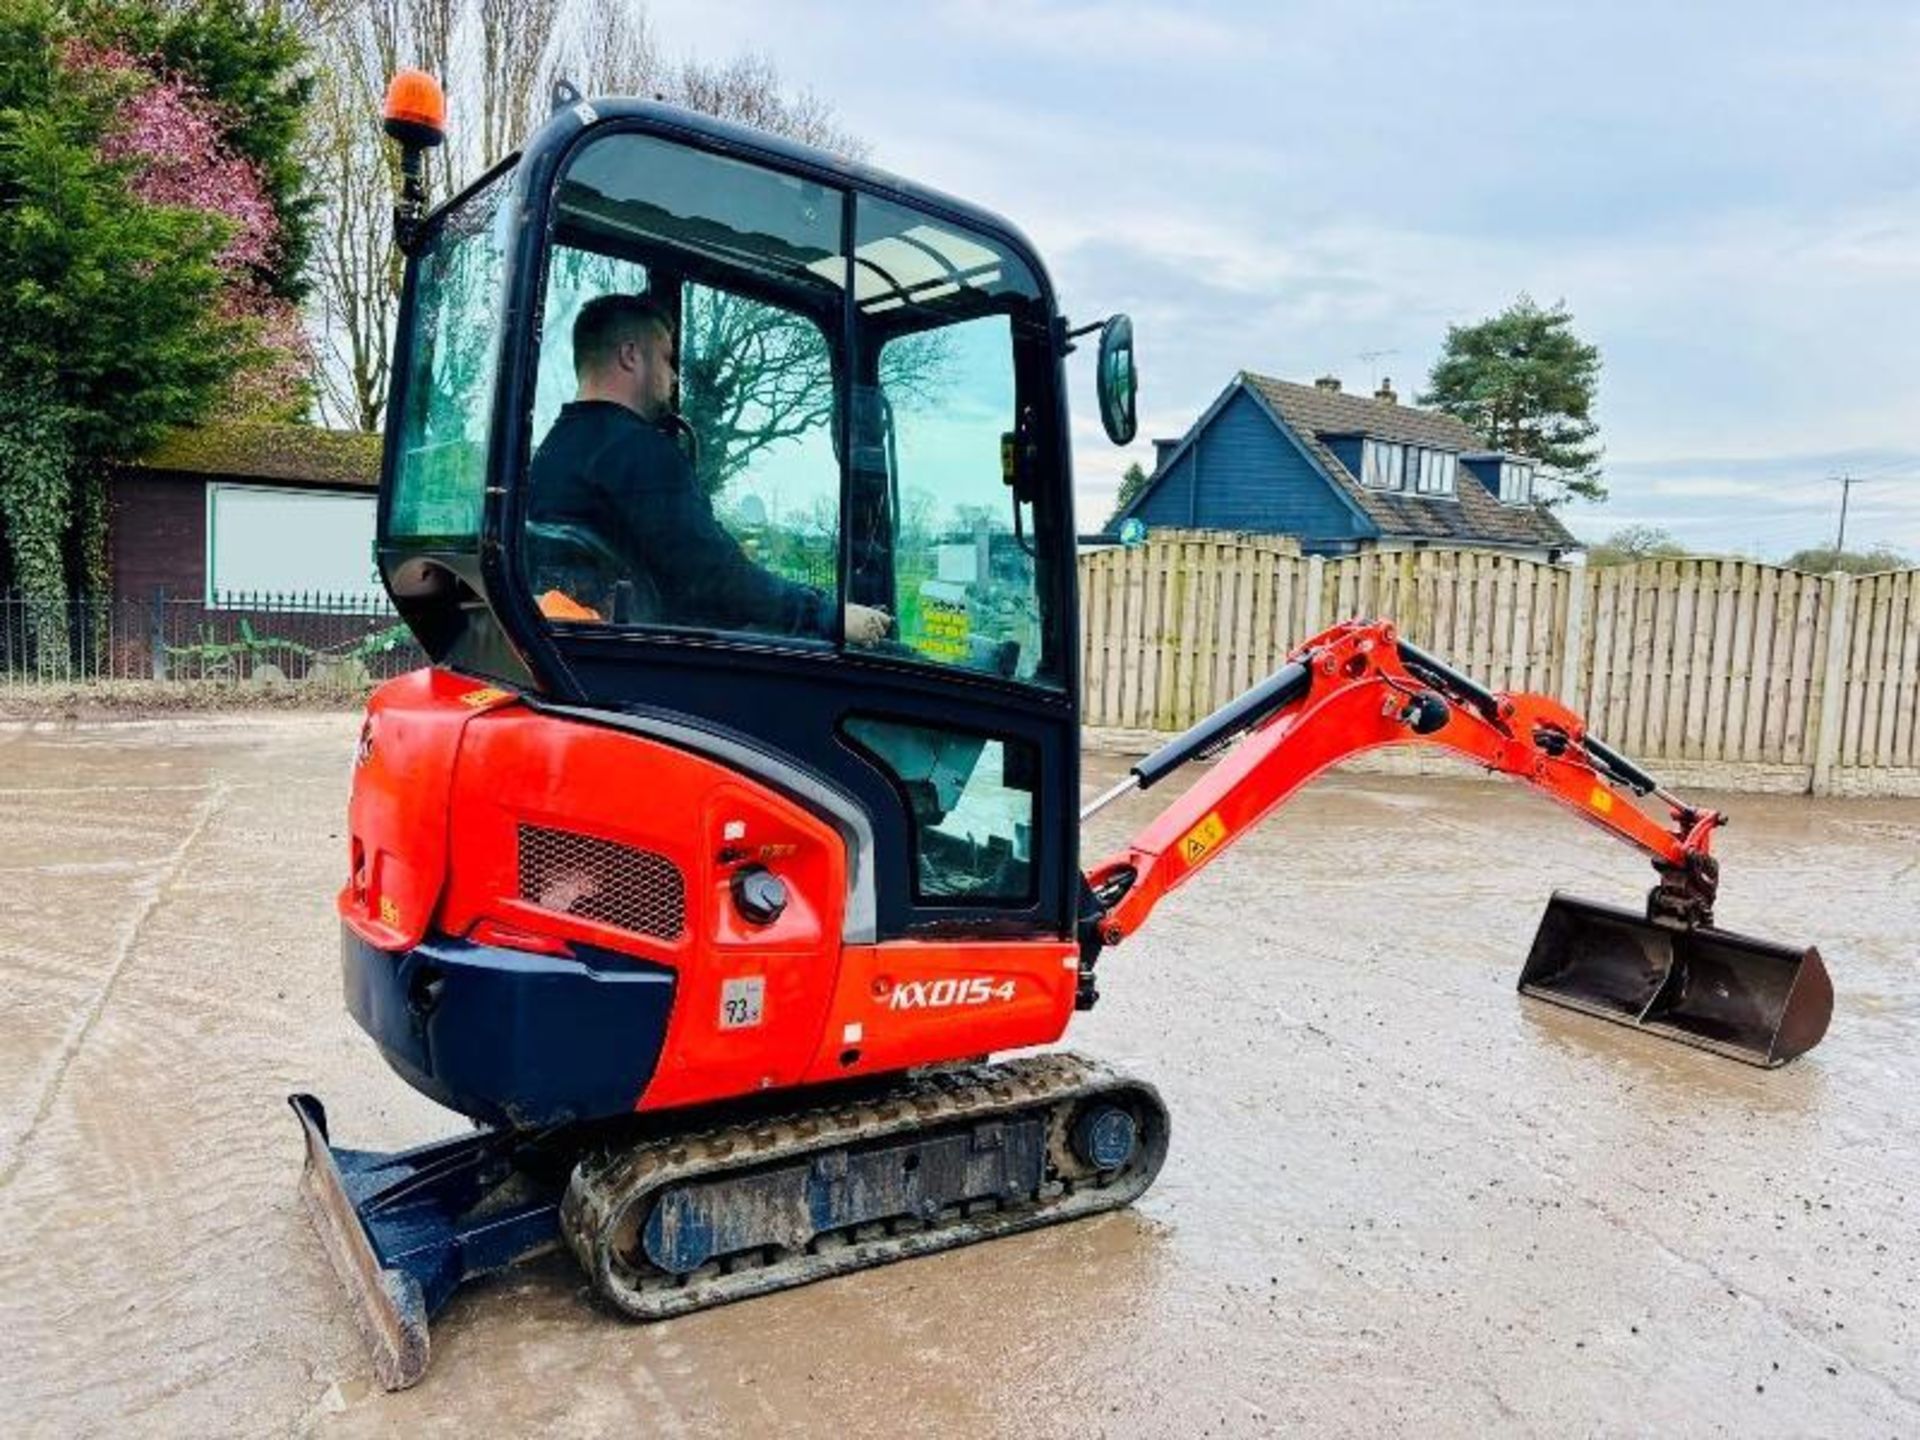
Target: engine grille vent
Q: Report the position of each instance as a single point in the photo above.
(602, 880)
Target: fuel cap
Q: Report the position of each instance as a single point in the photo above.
(758, 894)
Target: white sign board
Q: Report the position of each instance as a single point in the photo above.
(289, 542)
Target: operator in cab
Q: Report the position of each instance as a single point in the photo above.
(608, 468)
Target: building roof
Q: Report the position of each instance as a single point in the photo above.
(282, 454)
(1471, 514)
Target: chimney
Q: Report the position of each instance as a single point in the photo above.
(1328, 382)
(1162, 449)
(1385, 392)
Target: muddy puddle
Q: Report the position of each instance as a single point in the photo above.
(1399, 1199)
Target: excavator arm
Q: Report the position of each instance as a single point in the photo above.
(1360, 687)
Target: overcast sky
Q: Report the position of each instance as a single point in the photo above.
(1727, 197)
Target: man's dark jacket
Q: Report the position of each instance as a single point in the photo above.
(605, 470)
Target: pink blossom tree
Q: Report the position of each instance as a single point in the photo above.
(172, 138)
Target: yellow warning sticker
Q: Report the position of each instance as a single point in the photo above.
(944, 628)
(389, 912)
(1601, 799)
(485, 696)
(1203, 837)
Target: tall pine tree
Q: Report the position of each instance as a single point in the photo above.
(1132, 482)
(1526, 383)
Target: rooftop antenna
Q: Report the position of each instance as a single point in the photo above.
(1371, 359)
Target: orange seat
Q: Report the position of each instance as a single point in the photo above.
(558, 605)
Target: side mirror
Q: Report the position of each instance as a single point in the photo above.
(1118, 382)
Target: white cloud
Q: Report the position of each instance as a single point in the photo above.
(1723, 193)
(1083, 34)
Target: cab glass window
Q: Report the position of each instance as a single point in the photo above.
(574, 277)
(711, 505)
(971, 799)
(757, 393)
(439, 482)
(949, 456)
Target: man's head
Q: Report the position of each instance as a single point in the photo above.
(623, 352)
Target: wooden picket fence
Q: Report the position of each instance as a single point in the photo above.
(1725, 671)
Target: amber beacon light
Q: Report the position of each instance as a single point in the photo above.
(415, 114)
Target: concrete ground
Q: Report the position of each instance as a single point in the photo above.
(1400, 1199)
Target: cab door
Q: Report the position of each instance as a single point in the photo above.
(870, 395)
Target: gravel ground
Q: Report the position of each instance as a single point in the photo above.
(1399, 1199)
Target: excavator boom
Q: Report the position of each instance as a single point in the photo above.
(1360, 687)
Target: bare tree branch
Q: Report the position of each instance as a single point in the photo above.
(613, 52)
(516, 48)
(494, 57)
(756, 377)
(749, 90)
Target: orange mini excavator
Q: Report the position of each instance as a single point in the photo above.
(708, 905)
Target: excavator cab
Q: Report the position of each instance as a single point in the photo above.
(870, 392)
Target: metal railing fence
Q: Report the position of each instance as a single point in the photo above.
(344, 642)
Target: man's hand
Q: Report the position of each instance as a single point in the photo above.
(866, 625)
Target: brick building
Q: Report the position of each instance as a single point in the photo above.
(219, 511)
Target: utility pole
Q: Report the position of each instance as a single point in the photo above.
(1847, 482)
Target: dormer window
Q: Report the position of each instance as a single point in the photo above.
(1390, 465)
(1383, 467)
(1436, 469)
(1516, 482)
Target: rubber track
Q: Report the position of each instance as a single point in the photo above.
(608, 1185)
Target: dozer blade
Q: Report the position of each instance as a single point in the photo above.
(1748, 999)
(405, 1229)
(388, 1305)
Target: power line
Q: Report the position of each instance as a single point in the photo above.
(1876, 471)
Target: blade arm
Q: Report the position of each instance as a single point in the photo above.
(1364, 689)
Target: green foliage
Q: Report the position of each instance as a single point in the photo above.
(211, 658)
(35, 497)
(1132, 482)
(1634, 543)
(110, 307)
(1526, 382)
(35, 503)
(1824, 559)
(251, 59)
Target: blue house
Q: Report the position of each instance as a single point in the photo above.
(1343, 473)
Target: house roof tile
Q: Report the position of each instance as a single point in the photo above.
(1472, 515)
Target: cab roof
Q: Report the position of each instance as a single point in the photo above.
(545, 147)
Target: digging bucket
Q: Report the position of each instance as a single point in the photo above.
(1749, 999)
